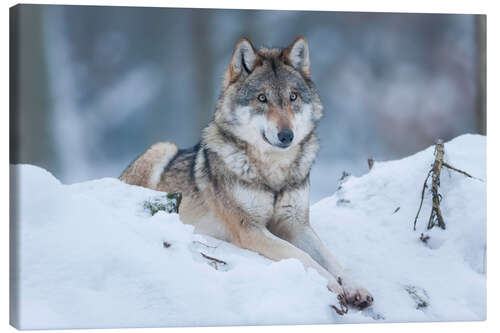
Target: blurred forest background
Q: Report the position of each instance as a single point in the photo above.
(93, 87)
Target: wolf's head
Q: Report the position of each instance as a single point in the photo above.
(268, 99)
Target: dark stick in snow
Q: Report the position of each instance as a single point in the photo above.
(371, 162)
(213, 261)
(421, 199)
(436, 217)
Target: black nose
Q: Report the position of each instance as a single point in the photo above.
(285, 137)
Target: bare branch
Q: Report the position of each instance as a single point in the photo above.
(421, 199)
(436, 217)
(460, 171)
(213, 259)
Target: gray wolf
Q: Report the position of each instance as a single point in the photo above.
(247, 180)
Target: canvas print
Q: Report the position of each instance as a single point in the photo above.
(210, 167)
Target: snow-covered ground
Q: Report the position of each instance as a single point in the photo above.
(91, 256)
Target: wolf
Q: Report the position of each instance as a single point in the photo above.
(247, 180)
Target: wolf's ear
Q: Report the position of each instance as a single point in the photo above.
(297, 55)
(242, 62)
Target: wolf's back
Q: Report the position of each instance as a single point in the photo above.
(147, 169)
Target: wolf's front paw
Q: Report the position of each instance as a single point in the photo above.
(357, 297)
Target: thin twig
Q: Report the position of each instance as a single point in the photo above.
(213, 247)
(213, 259)
(421, 199)
(460, 171)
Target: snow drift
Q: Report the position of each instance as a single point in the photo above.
(89, 255)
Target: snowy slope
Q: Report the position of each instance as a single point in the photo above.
(91, 256)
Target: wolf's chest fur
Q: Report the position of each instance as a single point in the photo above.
(273, 168)
(263, 183)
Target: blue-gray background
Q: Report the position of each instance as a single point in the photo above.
(93, 87)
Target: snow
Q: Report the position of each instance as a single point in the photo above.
(90, 255)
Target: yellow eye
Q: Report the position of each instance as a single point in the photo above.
(293, 96)
(262, 98)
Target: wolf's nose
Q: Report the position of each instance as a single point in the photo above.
(285, 137)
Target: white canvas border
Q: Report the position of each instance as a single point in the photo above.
(423, 6)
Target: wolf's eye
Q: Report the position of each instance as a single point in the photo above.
(293, 96)
(262, 98)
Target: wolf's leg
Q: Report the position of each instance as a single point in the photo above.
(257, 238)
(303, 236)
(291, 223)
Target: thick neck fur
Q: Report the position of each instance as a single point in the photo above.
(276, 169)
